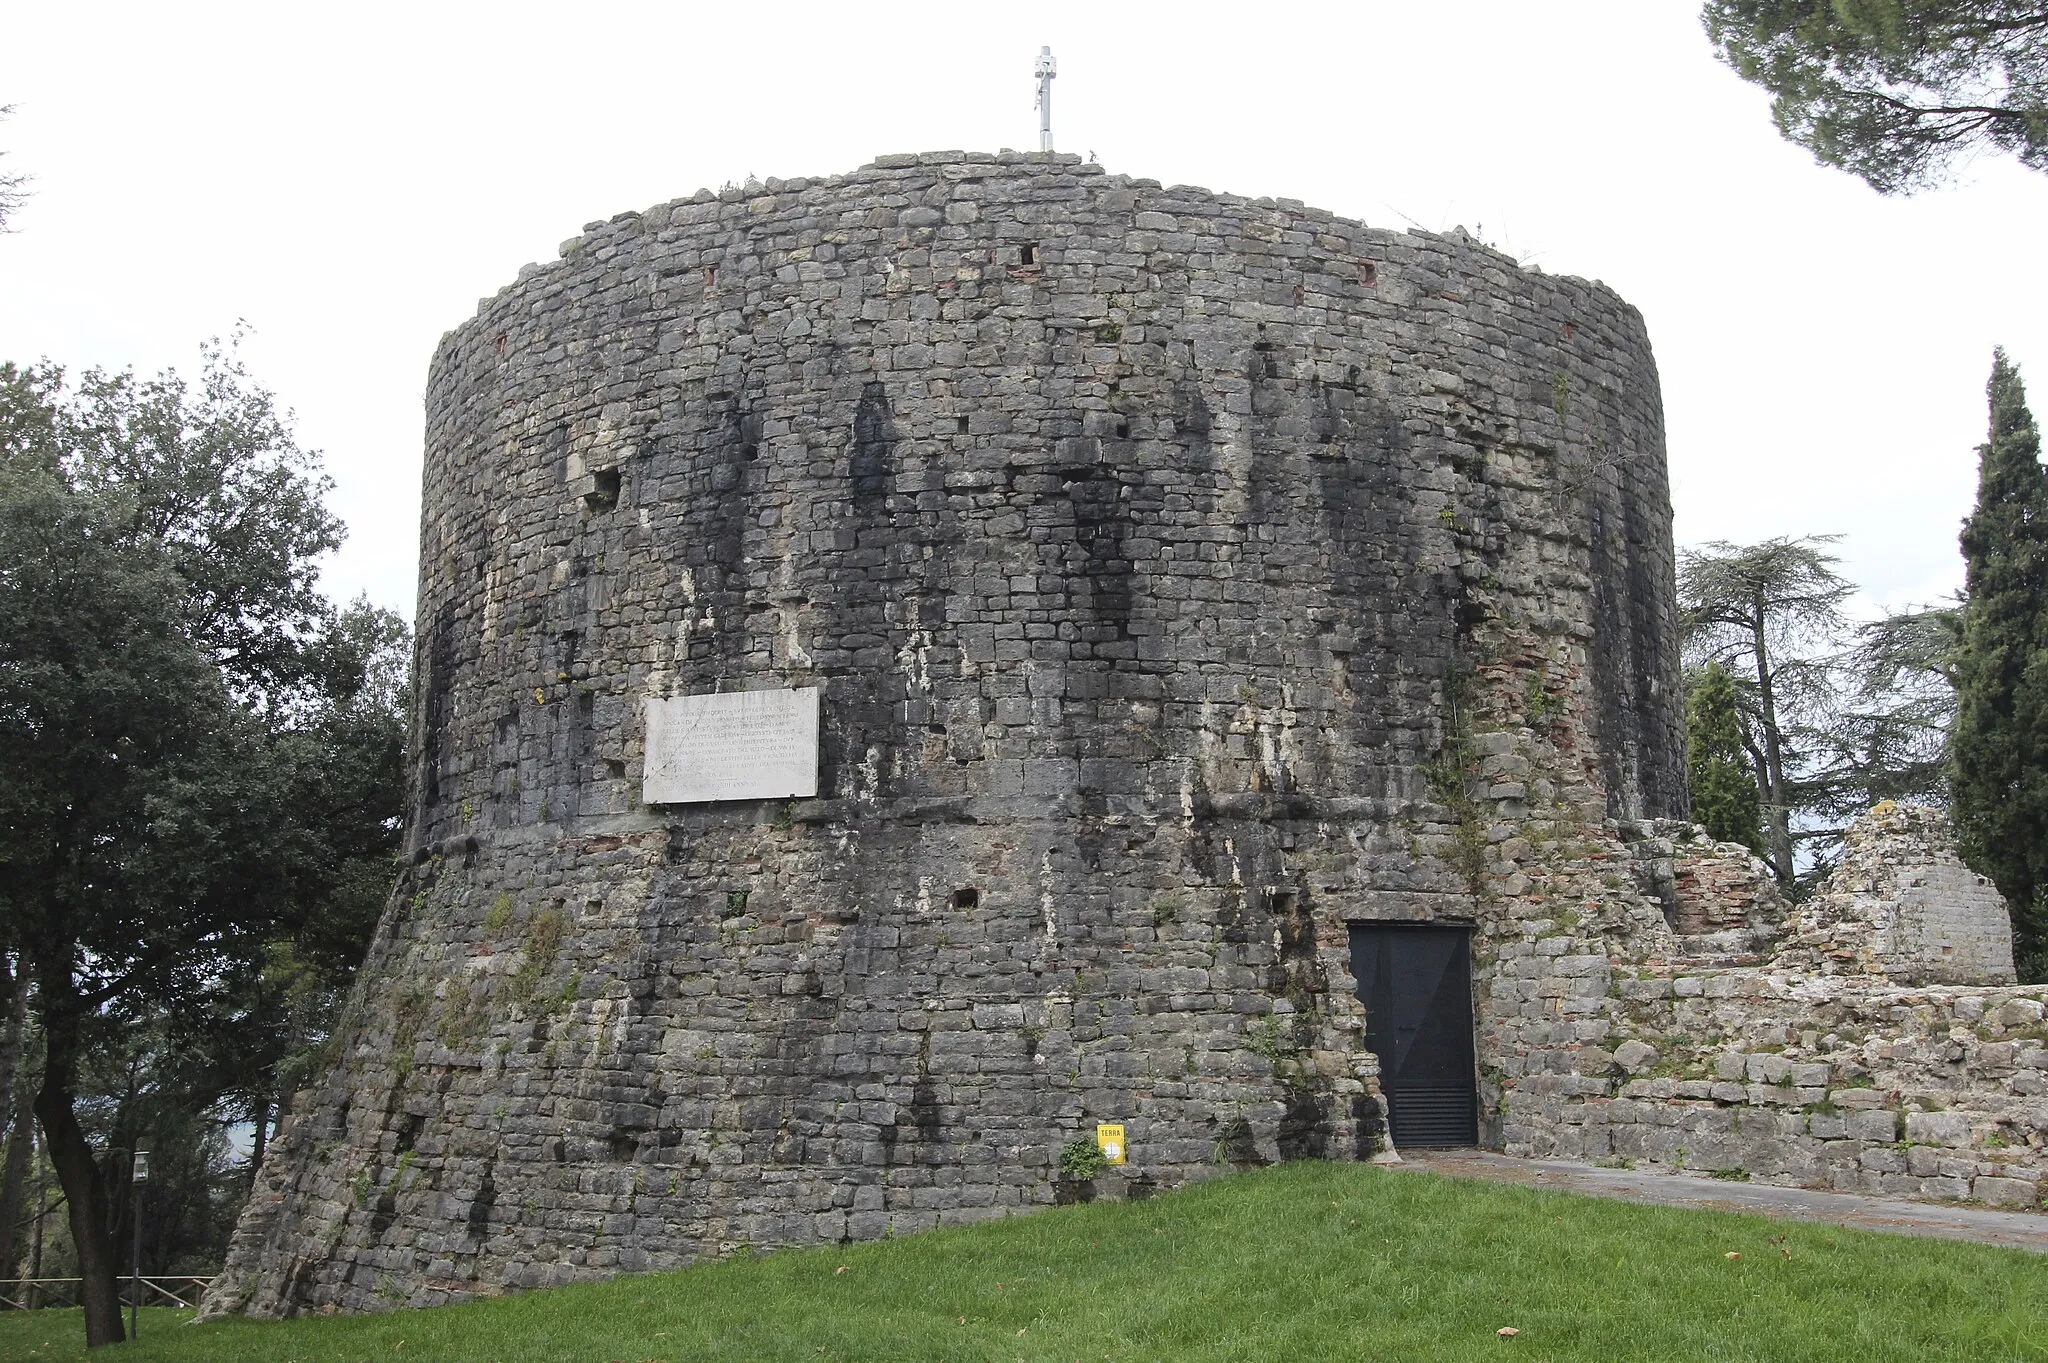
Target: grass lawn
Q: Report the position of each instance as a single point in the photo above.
(1304, 1262)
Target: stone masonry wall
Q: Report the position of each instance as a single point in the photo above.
(1187, 578)
(1902, 905)
(1820, 1064)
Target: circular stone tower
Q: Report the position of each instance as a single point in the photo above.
(1174, 583)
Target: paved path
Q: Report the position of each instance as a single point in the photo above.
(2014, 1230)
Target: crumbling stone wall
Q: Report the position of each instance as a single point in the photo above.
(1901, 904)
(1818, 1065)
(1187, 577)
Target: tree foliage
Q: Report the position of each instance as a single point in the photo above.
(1999, 767)
(202, 751)
(1888, 736)
(1771, 614)
(1893, 90)
(13, 186)
(1718, 770)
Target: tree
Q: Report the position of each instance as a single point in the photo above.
(346, 751)
(1718, 769)
(1888, 736)
(1998, 771)
(1893, 90)
(1771, 614)
(15, 1114)
(163, 647)
(13, 186)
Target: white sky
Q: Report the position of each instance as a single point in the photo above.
(350, 181)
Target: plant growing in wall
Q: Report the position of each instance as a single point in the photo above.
(1082, 1159)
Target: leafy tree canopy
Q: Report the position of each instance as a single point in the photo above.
(201, 750)
(1894, 90)
(1888, 736)
(1771, 614)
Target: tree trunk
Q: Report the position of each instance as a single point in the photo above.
(21, 1148)
(1777, 808)
(35, 1260)
(15, 989)
(85, 1189)
(15, 1104)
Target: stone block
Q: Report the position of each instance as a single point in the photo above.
(1768, 1069)
(2006, 1192)
(2017, 1013)
(1635, 1056)
(1938, 1128)
(1858, 1098)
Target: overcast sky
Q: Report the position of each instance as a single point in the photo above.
(348, 181)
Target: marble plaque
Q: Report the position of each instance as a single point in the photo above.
(735, 745)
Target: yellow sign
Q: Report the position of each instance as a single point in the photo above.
(1109, 1138)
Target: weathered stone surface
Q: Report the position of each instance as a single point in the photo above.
(1635, 1056)
(1184, 578)
(1836, 1072)
(2006, 1192)
(1157, 554)
(1902, 904)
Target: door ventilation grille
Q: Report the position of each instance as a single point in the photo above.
(1433, 1118)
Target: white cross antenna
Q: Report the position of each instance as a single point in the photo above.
(1047, 68)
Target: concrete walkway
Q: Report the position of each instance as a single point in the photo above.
(2013, 1230)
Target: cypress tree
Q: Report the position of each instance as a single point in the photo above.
(1724, 797)
(1998, 775)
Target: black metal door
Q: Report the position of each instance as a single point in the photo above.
(1416, 985)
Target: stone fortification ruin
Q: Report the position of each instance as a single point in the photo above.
(1204, 612)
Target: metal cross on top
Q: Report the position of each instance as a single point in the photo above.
(1047, 69)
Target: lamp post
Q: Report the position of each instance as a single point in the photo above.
(138, 1177)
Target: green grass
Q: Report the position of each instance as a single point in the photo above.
(1308, 1261)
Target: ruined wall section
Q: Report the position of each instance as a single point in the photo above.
(1186, 576)
(1836, 1051)
(1901, 904)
